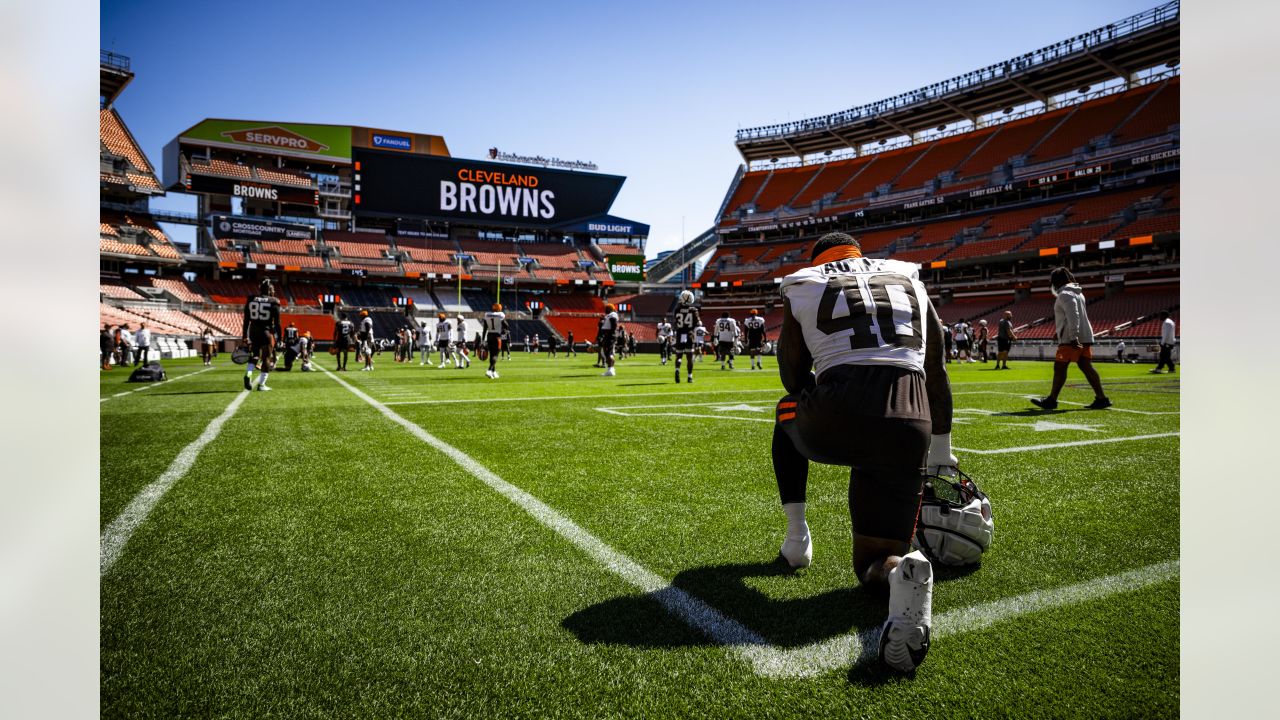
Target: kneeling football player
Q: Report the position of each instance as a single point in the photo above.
(879, 402)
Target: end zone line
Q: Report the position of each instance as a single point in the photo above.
(1074, 443)
(148, 387)
(121, 529)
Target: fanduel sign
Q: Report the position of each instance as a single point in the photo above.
(391, 142)
(434, 187)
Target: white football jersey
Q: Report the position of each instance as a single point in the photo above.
(493, 322)
(460, 333)
(443, 328)
(726, 329)
(700, 333)
(860, 311)
(609, 323)
(755, 322)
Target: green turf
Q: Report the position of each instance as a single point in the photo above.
(320, 561)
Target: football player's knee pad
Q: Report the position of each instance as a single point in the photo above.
(955, 525)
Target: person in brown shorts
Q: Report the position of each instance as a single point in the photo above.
(1075, 341)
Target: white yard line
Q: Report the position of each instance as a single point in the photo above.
(1068, 402)
(151, 385)
(121, 529)
(845, 650)
(779, 392)
(597, 396)
(611, 411)
(765, 659)
(1076, 443)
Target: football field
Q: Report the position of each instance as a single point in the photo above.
(418, 542)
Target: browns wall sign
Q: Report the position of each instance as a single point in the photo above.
(397, 185)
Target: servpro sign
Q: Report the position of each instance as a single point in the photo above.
(330, 142)
(393, 184)
(626, 267)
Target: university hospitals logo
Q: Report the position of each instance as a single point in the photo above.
(276, 137)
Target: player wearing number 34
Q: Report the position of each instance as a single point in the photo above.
(877, 401)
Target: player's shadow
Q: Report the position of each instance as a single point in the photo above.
(645, 621)
(645, 383)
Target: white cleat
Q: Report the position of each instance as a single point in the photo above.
(263, 387)
(495, 374)
(608, 373)
(904, 637)
(798, 551)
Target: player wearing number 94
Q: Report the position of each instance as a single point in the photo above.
(877, 401)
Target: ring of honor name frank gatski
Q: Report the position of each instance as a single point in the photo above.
(405, 185)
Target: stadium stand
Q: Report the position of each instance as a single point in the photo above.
(118, 290)
(179, 289)
(224, 322)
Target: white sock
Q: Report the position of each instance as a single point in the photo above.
(262, 379)
(249, 369)
(796, 525)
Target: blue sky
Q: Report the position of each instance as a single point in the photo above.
(654, 91)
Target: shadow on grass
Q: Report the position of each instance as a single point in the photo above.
(642, 621)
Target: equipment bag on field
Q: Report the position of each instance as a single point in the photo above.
(151, 372)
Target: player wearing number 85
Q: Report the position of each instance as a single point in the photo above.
(879, 403)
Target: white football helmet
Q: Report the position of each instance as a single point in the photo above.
(955, 525)
(686, 297)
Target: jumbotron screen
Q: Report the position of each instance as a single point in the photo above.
(403, 185)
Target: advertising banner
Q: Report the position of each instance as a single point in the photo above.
(329, 142)
(627, 268)
(251, 190)
(423, 186)
(244, 228)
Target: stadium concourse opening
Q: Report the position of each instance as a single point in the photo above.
(346, 218)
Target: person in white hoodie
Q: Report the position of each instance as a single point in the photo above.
(1168, 337)
(1075, 341)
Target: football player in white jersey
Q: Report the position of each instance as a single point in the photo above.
(444, 339)
(755, 338)
(424, 343)
(494, 322)
(366, 339)
(462, 359)
(726, 335)
(608, 337)
(664, 340)
(683, 337)
(700, 340)
(860, 354)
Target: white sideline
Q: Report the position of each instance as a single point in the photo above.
(765, 659)
(121, 529)
(1074, 443)
(148, 387)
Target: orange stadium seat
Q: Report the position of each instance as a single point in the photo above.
(1089, 120)
(1157, 117)
(116, 138)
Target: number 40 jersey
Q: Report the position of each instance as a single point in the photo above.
(860, 311)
